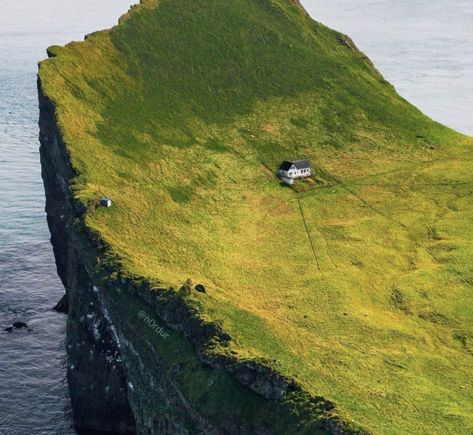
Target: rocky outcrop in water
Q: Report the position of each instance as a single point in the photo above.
(16, 325)
(62, 305)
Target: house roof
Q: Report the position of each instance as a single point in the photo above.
(285, 166)
(299, 164)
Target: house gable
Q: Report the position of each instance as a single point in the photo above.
(286, 166)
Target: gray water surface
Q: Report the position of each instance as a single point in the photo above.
(33, 390)
(423, 47)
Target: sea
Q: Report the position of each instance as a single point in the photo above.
(423, 47)
(33, 389)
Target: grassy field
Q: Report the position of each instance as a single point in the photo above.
(358, 284)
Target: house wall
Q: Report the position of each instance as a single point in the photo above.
(294, 173)
(283, 174)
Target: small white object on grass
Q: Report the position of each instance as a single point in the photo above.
(105, 201)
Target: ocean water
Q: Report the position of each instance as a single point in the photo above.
(423, 47)
(33, 390)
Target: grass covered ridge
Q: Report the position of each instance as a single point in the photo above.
(359, 287)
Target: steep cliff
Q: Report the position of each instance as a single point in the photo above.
(97, 381)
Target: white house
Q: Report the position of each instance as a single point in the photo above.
(295, 169)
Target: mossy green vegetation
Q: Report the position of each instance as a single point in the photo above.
(360, 286)
(213, 393)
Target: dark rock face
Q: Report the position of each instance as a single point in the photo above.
(96, 377)
(200, 288)
(262, 380)
(62, 306)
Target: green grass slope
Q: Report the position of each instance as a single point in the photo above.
(359, 282)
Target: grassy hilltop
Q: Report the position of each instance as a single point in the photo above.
(360, 282)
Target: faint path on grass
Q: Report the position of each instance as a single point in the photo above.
(327, 300)
(308, 234)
